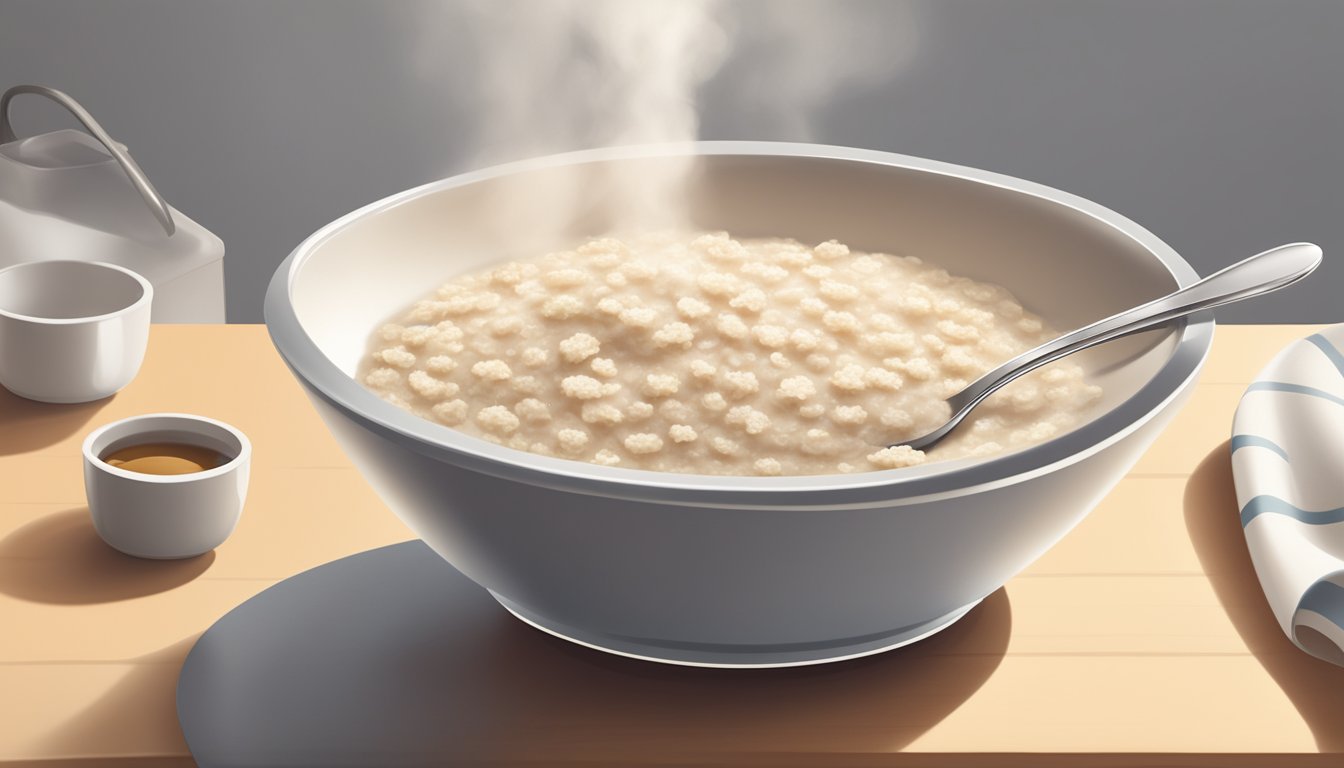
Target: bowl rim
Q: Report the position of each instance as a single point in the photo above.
(186, 422)
(944, 479)
(146, 292)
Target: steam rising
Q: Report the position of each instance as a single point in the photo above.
(568, 74)
(557, 75)
(791, 59)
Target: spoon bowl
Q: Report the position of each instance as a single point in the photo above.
(1260, 274)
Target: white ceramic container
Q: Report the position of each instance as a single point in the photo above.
(739, 571)
(166, 516)
(68, 194)
(71, 331)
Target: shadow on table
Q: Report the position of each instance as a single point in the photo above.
(59, 558)
(543, 696)
(139, 708)
(393, 655)
(27, 425)
(1315, 687)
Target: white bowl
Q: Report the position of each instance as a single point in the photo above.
(166, 517)
(739, 571)
(71, 331)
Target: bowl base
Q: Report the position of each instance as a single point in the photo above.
(738, 656)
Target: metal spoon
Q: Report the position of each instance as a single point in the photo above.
(1261, 273)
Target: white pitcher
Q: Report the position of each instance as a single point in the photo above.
(79, 196)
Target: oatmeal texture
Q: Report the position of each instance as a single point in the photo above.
(708, 355)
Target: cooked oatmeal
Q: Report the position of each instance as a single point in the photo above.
(709, 355)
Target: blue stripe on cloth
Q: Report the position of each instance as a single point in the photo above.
(1297, 389)
(1256, 441)
(1273, 505)
(1327, 599)
(1329, 349)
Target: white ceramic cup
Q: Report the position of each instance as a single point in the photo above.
(166, 516)
(71, 331)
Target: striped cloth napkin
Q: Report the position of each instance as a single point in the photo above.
(1288, 464)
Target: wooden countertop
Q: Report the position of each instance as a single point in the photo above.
(1142, 638)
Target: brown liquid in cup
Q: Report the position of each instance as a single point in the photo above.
(165, 458)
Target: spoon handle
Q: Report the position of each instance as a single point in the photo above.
(1261, 273)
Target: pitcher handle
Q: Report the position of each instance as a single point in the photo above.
(151, 196)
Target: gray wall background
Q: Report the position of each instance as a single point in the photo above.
(1217, 124)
